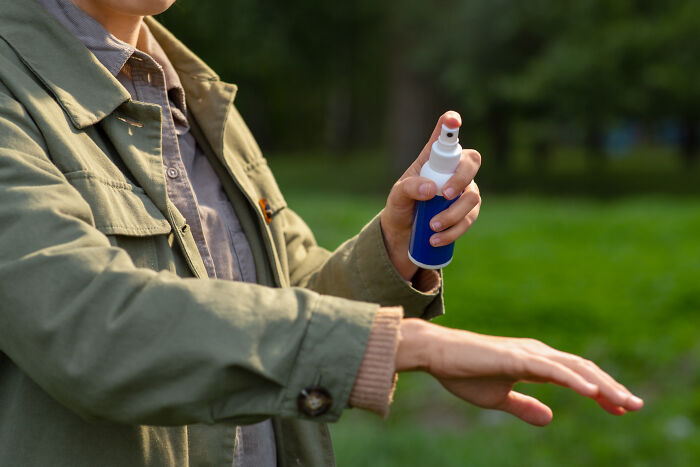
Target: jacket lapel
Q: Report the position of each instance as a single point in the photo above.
(134, 130)
(88, 92)
(210, 103)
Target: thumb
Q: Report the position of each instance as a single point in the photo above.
(526, 408)
(410, 189)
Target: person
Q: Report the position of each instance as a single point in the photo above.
(162, 305)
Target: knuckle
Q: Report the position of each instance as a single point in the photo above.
(408, 186)
(450, 216)
(468, 221)
(474, 197)
(519, 361)
(474, 156)
(533, 344)
(448, 236)
(589, 364)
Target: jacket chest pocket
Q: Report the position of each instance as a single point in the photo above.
(128, 218)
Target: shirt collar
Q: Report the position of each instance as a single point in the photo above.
(109, 51)
(113, 53)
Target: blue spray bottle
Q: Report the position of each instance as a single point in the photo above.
(444, 158)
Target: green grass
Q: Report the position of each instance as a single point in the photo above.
(616, 281)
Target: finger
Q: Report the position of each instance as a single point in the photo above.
(457, 211)
(609, 389)
(526, 408)
(410, 189)
(451, 119)
(610, 407)
(451, 234)
(469, 164)
(554, 372)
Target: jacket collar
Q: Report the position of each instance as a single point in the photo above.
(85, 89)
(206, 94)
(82, 86)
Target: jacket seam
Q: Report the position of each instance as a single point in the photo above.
(87, 175)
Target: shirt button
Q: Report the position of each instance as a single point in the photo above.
(314, 401)
(172, 172)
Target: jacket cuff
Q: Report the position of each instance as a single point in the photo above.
(383, 283)
(376, 379)
(329, 359)
(427, 281)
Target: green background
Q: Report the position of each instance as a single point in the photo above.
(613, 280)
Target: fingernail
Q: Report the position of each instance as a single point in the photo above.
(436, 226)
(449, 193)
(424, 189)
(435, 241)
(636, 400)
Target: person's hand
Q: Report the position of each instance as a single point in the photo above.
(483, 369)
(449, 225)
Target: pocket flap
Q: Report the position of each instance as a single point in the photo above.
(119, 208)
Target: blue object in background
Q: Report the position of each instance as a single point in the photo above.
(421, 252)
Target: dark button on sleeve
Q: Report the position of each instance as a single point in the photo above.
(314, 401)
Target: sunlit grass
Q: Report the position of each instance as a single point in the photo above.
(617, 281)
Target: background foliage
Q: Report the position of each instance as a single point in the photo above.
(613, 280)
(532, 76)
(586, 114)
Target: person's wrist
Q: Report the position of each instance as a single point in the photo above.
(396, 244)
(415, 345)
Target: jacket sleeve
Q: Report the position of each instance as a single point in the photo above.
(116, 342)
(359, 269)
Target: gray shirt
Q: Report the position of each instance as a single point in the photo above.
(191, 182)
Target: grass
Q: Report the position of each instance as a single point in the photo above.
(614, 280)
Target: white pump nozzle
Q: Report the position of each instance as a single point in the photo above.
(446, 151)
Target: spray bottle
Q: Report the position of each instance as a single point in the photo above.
(444, 158)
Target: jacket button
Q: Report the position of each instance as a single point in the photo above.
(314, 401)
(172, 172)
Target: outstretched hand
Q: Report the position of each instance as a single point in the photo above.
(483, 369)
(449, 225)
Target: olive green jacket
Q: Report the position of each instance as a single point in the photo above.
(114, 347)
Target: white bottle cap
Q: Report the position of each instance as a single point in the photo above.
(446, 151)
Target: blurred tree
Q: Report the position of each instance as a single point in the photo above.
(306, 69)
(669, 47)
(318, 74)
(612, 59)
(465, 53)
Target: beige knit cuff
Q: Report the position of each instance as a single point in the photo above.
(376, 378)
